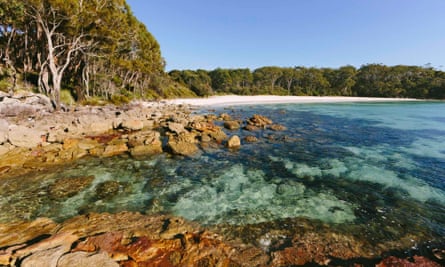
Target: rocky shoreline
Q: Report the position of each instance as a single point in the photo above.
(33, 137)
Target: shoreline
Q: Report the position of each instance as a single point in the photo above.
(234, 100)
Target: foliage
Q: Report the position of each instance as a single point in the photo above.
(95, 47)
(372, 80)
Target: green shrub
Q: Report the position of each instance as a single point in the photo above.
(118, 99)
(5, 85)
(67, 98)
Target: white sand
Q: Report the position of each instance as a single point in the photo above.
(234, 100)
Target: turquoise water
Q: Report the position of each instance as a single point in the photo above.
(375, 168)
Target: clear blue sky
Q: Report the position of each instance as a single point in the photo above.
(206, 34)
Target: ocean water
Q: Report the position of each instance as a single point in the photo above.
(375, 169)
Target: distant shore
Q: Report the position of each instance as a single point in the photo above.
(230, 100)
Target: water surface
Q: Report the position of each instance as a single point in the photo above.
(376, 170)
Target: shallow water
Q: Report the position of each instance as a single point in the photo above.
(375, 168)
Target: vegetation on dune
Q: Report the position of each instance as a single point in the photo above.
(372, 80)
(97, 51)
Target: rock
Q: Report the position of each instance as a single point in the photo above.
(234, 142)
(107, 189)
(115, 149)
(176, 127)
(22, 136)
(69, 143)
(4, 129)
(46, 252)
(87, 144)
(417, 261)
(3, 150)
(184, 144)
(219, 136)
(231, 125)
(133, 124)
(44, 258)
(251, 128)
(225, 117)
(203, 126)
(251, 139)
(143, 150)
(277, 127)
(20, 232)
(67, 187)
(101, 126)
(77, 259)
(259, 121)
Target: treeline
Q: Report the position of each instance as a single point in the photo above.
(94, 48)
(373, 80)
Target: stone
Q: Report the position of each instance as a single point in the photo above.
(259, 121)
(22, 136)
(219, 136)
(251, 128)
(69, 143)
(67, 187)
(46, 252)
(234, 142)
(176, 127)
(15, 233)
(251, 139)
(80, 258)
(4, 129)
(107, 189)
(87, 144)
(416, 261)
(182, 148)
(143, 150)
(132, 124)
(231, 125)
(44, 258)
(277, 127)
(115, 149)
(225, 117)
(101, 126)
(3, 150)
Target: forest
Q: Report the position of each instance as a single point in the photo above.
(97, 50)
(371, 80)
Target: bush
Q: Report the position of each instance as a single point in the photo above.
(67, 98)
(118, 99)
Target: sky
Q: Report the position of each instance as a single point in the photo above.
(209, 34)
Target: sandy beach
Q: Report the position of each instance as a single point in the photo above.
(229, 100)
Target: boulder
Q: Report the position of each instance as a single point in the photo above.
(4, 129)
(22, 136)
(259, 121)
(218, 136)
(107, 189)
(251, 139)
(177, 128)
(115, 149)
(231, 125)
(234, 142)
(132, 124)
(182, 146)
(251, 128)
(143, 150)
(86, 259)
(70, 186)
(277, 127)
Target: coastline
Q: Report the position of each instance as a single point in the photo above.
(232, 100)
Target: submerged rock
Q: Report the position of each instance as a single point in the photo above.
(67, 187)
(107, 190)
(231, 125)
